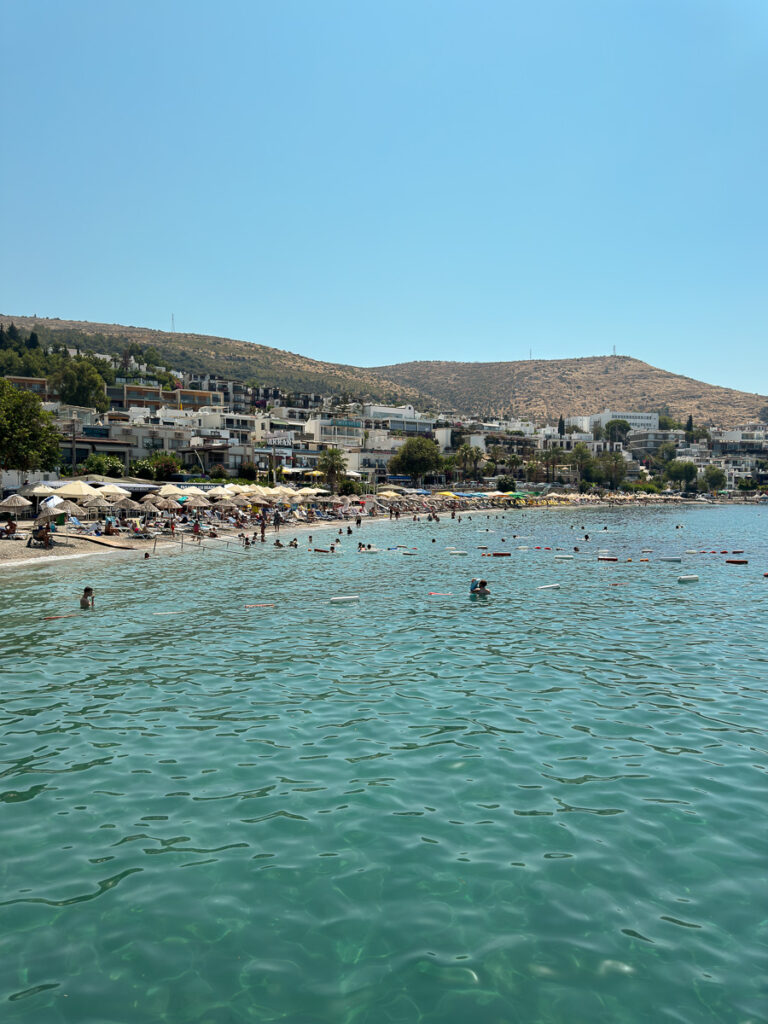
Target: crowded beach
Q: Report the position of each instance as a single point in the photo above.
(88, 516)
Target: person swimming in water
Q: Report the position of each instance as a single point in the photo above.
(86, 601)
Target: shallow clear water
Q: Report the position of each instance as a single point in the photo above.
(545, 806)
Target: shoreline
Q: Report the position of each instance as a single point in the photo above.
(163, 545)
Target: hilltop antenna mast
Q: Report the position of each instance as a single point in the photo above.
(614, 350)
(173, 324)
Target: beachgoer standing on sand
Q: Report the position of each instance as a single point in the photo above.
(86, 601)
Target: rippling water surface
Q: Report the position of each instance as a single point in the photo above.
(545, 806)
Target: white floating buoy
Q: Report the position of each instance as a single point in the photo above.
(561, 557)
(343, 600)
(458, 552)
(692, 551)
(522, 549)
(671, 558)
(687, 579)
(549, 586)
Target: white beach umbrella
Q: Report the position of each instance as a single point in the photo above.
(76, 489)
(114, 490)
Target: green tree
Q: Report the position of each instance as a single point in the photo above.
(417, 457)
(464, 458)
(332, 464)
(164, 465)
(617, 430)
(667, 422)
(714, 478)
(102, 465)
(217, 471)
(497, 457)
(581, 457)
(615, 468)
(29, 439)
(79, 383)
(561, 426)
(248, 471)
(681, 471)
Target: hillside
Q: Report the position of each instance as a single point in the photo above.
(541, 389)
(242, 360)
(531, 389)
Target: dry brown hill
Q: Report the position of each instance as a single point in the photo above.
(534, 389)
(541, 389)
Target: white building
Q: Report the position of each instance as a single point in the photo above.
(636, 420)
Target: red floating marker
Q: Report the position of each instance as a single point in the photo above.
(438, 593)
(537, 548)
(736, 561)
(547, 549)
(502, 554)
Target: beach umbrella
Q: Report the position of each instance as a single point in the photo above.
(224, 503)
(197, 501)
(169, 491)
(114, 491)
(192, 491)
(217, 492)
(98, 502)
(147, 497)
(150, 509)
(128, 504)
(14, 502)
(38, 490)
(68, 508)
(76, 489)
(167, 504)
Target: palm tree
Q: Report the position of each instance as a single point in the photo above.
(514, 462)
(581, 456)
(463, 458)
(497, 454)
(332, 464)
(475, 455)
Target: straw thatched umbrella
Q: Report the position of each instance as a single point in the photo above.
(197, 501)
(149, 509)
(67, 508)
(14, 502)
(37, 490)
(98, 502)
(128, 504)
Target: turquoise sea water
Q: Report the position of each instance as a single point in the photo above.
(544, 806)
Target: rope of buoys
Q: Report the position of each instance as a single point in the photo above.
(607, 558)
(47, 618)
(438, 593)
(671, 558)
(501, 554)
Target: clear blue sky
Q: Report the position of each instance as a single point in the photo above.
(372, 182)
